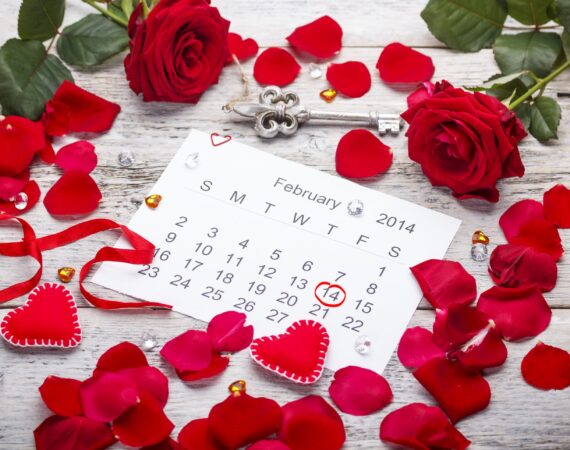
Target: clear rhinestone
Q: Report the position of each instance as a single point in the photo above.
(315, 71)
(355, 207)
(21, 201)
(148, 342)
(362, 345)
(126, 159)
(192, 160)
(479, 252)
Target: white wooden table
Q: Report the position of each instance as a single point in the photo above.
(519, 417)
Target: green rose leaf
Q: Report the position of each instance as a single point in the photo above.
(566, 44)
(28, 77)
(523, 113)
(40, 19)
(545, 117)
(529, 12)
(534, 51)
(91, 41)
(563, 9)
(467, 25)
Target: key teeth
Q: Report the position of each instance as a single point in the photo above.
(390, 126)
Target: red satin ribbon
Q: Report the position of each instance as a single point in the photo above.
(141, 253)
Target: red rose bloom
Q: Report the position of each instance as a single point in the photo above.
(465, 141)
(177, 52)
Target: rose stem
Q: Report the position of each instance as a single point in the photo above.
(107, 13)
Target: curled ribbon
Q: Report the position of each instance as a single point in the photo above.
(141, 253)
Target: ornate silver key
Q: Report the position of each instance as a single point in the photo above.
(280, 112)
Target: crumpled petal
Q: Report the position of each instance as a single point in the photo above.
(217, 365)
(517, 215)
(359, 391)
(459, 391)
(125, 355)
(416, 347)
(167, 444)
(196, 436)
(243, 49)
(445, 283)
(541, 235)
(456, 325)
(518, 265)
(361, 154)
(424, 91)
(143, 424)
(557, 206)
(401, 64)
(61, 395)
(546, 367)
(79, 156)
(310, 423)
(519, 312)
(74, 194)
(421, 427)
(351, 78)
(12, 185)
(72, 433)
(269, 444)
(485, 350)
(228, 332)
(149, 379)
(321, 38)
(276, 66)
(32, 190)
(190, 351)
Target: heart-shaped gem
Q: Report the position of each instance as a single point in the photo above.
(218, 140)
(298, 354)
(47, 319)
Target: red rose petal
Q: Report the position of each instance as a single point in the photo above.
(61, 395)
(310, 423)
(47, 153)
(149, 379)
(32, 190)
(518, 265)
(107, 395)
(361, 154)
(167, 444)
(459, 391)
(416, 347)
(351, 78)
(190, 351)
(122, 356)
(546, 367)
(72, 433)
(557, 206)
(541, 235)
(445, 283)
(143, 424)
(518, 312)
(228, 333)
(269, 444)
(243, 49)
(485, 350)
(11, 186)
(423, 92)
(196, 436)
(359, 391)
(20, 140)
(517, 215)
(217, 365)
(75, 193)
(401, 64)
(456, 325)
(79, 156)
(276, 66)
(421, 427)
(321, 38)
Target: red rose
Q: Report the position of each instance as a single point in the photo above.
(465, 141)
(177, 52)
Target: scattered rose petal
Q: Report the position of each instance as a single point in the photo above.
(321, 38)
(228, 333)
(243, 49)
(269, 444)
(217, 365)
(541, 235)
(351, 78)
(485, 350)
(310, 423)
(72, 433)
(143, 424)
(445, 283)
(519, 312)
(557, 206)
(518, 265)
(47, 154)
(167, 444)
(276, 66)
(359, 391)
(32, 190)
(149, 379)
(421, 427)
(459, 391)
(190, 351)
(517, 215)
(423, 92)
(79, 156)
(11, 186)
(75, 193)
(401, 64)
(122, 356)
(456, 325)
(61, 395)
(416, 347)
(546, 367)
(20, 140)
(196, 436)
(361, 154)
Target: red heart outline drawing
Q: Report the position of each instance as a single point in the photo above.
(330, 286)
(222, 139)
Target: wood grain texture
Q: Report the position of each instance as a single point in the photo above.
(519, 417)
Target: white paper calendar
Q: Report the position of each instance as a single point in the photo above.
(240, 229)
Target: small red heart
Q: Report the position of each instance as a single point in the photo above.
(298, 354)
(218, 140)
(47, 319)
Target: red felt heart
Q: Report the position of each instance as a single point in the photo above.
(218, 140)
(298, 354)
(47, 319)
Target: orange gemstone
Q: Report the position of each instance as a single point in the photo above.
(237, 388)
(480, 238)
(65, 274)
(152, 201)
(328, 95)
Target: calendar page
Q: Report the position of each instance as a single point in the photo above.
(240, 229)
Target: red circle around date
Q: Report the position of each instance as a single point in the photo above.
(330, 286)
